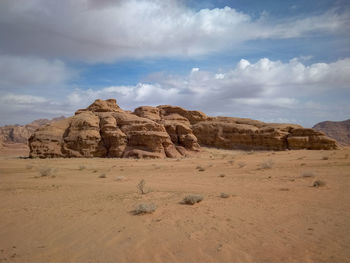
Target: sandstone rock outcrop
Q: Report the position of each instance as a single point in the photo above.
(105, 130)
(338, 130)
(20, 133)
(238, 133)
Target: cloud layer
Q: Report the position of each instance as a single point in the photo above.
(103, 31)
(27, 72)
(266, 90)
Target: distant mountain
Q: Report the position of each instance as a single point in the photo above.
(338, 130)
(21, 133)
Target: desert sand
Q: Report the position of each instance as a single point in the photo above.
(82, 210)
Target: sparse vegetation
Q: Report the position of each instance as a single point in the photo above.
(224, 195)
(241, 164)
(141, 187)
(192, 199)
(47, 171)
(307, 174)
(103, 176)
(318, 183)
(325, 158)
(231, 162)
(346, 156)
(82, 167)
(120, 178)
(267, 164)
(222, 175)
(29, 166)
(145, 209)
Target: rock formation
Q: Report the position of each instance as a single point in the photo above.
(20, 133)
(105, 130)
(338, 130)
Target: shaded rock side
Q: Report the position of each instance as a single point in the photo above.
(338, 130)
(105, 130)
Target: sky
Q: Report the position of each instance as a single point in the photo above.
(270, 60)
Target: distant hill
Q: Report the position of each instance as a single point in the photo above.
(338, 130)
(20, 133)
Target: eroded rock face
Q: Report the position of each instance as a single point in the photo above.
(105, 130)
(20, 133)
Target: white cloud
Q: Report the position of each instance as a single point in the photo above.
(266, 90)
(96, 31)
(21, 99)
(16, 71)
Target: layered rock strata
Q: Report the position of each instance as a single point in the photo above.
(105, 130)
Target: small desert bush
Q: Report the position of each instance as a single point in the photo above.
(318, 183)
(325, 158)
(224, 195)
(241, 164)
(103, 176)
(46, 171)
(267, 164)
(307, 174)
(231, 162)
(120, 178)
(192, 199)
(29, 166)
(222, 175)
(82, 167)
(346, 156)
(145, 209)
(141, 187)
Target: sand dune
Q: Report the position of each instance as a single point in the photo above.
(272, 214)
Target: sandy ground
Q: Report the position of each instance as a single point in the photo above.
(272, 214)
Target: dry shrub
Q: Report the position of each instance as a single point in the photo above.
(82, 167)
(47, 171)
(222, 175)
(224, 195)
(120, 178)
(325, 158)
(141, 187)
(241, 164)
(267, 164)
(29, 166)
(145, 208)
(192, 199)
